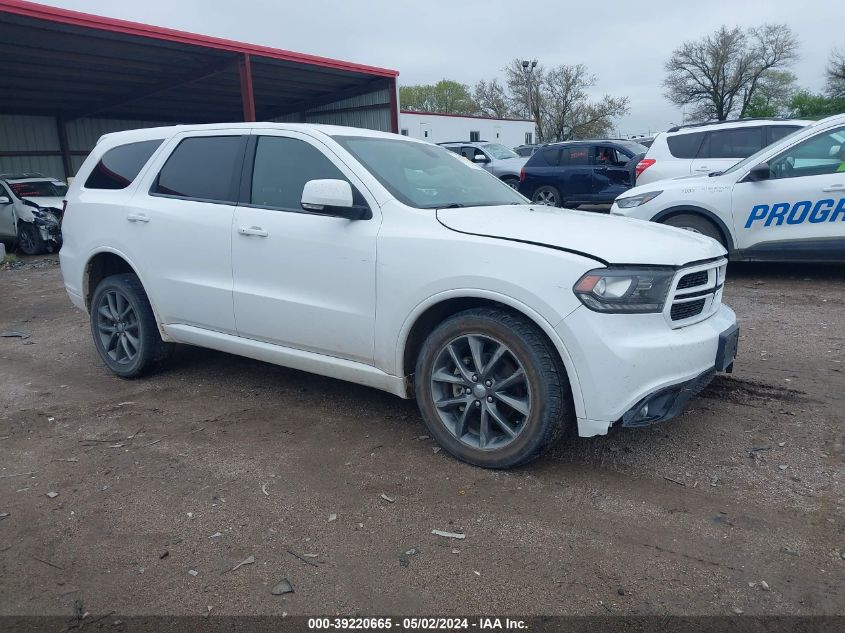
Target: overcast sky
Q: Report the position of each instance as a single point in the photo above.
(625, 43)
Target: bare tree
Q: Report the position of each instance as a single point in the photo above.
(560, 102)
(720, 74)
(836, 74)
(491, 99)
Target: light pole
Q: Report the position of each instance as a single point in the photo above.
(528, 68)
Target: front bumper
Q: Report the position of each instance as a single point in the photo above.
(626, 361)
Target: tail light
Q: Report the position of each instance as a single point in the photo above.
(522, 175)
(644, 164)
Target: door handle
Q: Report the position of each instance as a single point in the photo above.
(137, 217)
(834, 188)
(257, 231)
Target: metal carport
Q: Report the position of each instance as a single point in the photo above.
(68, 77)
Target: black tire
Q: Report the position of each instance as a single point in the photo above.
(511, 181)
(30, 241)
(547, 195)
(148, 347)
(696, 224)
(547, 387)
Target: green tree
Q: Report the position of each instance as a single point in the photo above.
(721, 74)
(446, 96)
(774, 95)
(806, 105)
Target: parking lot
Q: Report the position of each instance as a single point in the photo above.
(165, 484)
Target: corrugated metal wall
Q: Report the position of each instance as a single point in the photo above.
(370, 110)
(38, 136)
(30, 134)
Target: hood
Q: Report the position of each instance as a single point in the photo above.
(608, 239)
(46, 202)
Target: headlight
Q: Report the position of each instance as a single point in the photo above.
(627, 290)
(635, 201)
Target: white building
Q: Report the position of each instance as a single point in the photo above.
(441, 128)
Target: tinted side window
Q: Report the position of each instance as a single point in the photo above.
(685, 145)
(575, 156)
(777, 132)
(737, 143)
(282, 167)
(120, 165)
(551, 157)
(204, 168)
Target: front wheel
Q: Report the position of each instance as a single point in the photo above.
(491, 389)
(124, 327)
(30, 241)
(696, 224)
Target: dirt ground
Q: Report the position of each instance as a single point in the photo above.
(166, 483)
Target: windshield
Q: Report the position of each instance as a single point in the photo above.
(38, 189)
(499, 152)
(426, 176)
(755, 158)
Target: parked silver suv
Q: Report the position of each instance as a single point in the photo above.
(502, 162)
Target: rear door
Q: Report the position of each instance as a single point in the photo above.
(724, 148)
(799, 213)
(302, 279)
(178, 228)
(575, 174)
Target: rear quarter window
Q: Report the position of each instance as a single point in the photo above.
(203, 168)
(685, 145)
(120, 165)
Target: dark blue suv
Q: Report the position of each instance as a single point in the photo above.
(580, 172)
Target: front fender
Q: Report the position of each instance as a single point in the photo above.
(518, 306)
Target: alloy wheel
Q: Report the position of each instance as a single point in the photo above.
(481, 391)
(547, 198)
(118, 327)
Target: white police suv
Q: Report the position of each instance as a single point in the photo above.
(786, 202)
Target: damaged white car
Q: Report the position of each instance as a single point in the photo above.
(31, 212)
(393, 263)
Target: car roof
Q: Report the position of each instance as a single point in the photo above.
(154, 133)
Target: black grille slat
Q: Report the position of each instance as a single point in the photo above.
(692, 280)
(681, 311)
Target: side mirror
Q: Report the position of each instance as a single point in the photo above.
(5, 200)
(480, 158)
(760, 172)
(333, 197)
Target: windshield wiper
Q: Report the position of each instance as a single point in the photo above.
(454, 205)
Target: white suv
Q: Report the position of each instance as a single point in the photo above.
(701, 149)
(784, 203)
(396, 264)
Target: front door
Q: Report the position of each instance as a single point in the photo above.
(611, 174)
(799, 213)
(302, 279)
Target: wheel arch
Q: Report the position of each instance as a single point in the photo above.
(708, 215)
(429, 314)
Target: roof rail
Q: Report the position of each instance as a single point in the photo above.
(677, 128)
(30, 174)
(453, 142)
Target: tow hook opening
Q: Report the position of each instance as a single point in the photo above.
(667, 403)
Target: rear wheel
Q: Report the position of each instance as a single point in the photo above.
(511, 182)
(696, 224)
(491, 390)
(124, 327)
(548, 196)
(30, 241)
